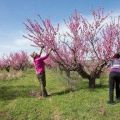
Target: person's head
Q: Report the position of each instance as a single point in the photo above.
(34, 54)
(117, 55)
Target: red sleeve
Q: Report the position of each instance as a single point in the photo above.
(36, 57)
(45, 57)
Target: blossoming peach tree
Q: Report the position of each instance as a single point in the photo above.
(16, 61)
(85, 46)
(19, 60)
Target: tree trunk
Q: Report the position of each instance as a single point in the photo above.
(68, 80)
(68, 73)
(7, 68)
(60, 69)
(92, 82)
(68, 76)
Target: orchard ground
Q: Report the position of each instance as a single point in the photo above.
(19, 99)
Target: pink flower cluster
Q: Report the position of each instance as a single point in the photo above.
(84, 40)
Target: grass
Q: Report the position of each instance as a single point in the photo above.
(17, 103)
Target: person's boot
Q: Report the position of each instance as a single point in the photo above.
(45, 94)
(111, 98)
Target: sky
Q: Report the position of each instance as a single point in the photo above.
(13, 13)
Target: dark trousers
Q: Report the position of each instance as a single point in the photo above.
(114, 82)
(42, 80)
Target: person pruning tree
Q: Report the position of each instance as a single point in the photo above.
(39, 66)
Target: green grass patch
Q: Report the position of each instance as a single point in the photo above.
(17, 103)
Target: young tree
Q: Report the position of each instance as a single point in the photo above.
(5, 63)
(19, 60)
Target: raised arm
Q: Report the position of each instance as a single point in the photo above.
(111, 60)
(42, 47)
(109, 63)
(46, 56)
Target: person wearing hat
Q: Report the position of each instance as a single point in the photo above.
(39, 66)
(114, 78)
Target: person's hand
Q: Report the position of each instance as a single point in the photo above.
(42, 46)
(52, 49)
(49, 51)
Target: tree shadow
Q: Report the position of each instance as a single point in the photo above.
(13, 92)
(66, 91)
(98, 86)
